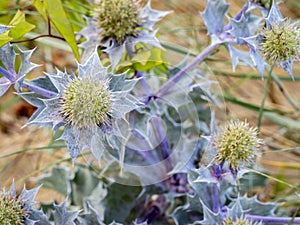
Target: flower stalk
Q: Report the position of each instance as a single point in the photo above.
(7, 74)
(273, 219)
(199, 59)
(39, 90)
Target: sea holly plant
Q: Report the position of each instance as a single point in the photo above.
(150, 147)
(91, 106)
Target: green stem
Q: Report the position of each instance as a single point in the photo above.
(262, 105)
(284, 92)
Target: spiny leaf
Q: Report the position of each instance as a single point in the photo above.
(213, 16)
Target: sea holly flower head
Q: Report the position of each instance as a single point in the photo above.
(118, 25)
(281, 42)
(86, 102)
(91, 107)
(278, 42)
(118, 18)
(15, 210)
(236, 143)
(239, 221)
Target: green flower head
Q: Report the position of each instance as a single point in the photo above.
(118, 18)
(236, 143)
(11, 211)
(240, 221)
(15, 210)
(281, 42)
(86, 103)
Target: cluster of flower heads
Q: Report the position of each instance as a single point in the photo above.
(90, 106)
(237, 144)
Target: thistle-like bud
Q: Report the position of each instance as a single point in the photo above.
(236, 143)
(86, 102)
(11, 210)
(281, 42)
(240, 221)
(118, 18)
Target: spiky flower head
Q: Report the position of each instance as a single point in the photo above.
(281, 42)
(91, 107)
(239, 221)
(118, 18)
(86, 102)
(236, 143)
(11, 212)
(15, 210)
(118, 25)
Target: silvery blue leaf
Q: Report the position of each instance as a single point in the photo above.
(4, 85)
(151, 16)
(40, 217)
(118, 82)
(62, 216)
(213, 16)
(115, 52)
(93, 68)
(60, 80)
(259, 62)
(3, 28)
(274, 15)
(48, 114)
(236, 210)
(28, 197)
(93, 38)
(287, 66)
(97, 146)
(58, 179)
(210, 217)
(8, 57)
(25, 67)
(251, 205)
(237, 55)
(75, 141)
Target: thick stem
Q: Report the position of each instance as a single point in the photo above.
(39, 90)
(161, 137)
(7, 74)
(216, 207)
(273, 219)
(170, 83)
(146, 88)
